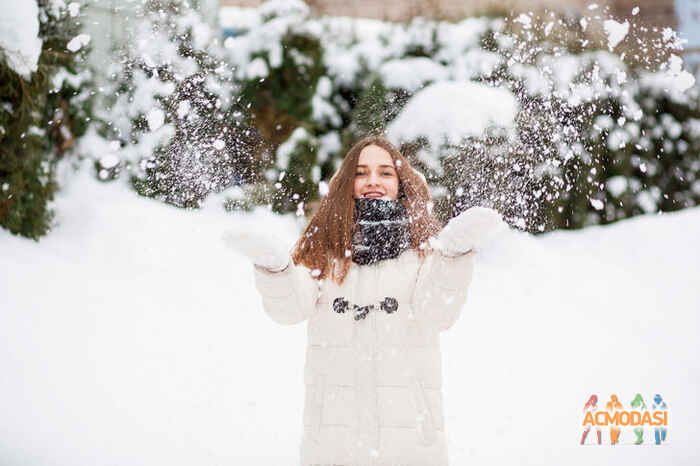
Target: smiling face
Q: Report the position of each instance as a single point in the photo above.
(375, 175)
(326, 239)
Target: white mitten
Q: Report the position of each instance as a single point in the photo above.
(469, 230)
(263, 250)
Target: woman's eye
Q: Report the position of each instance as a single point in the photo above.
(388, 173)
(359, 173)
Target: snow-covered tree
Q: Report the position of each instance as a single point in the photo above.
(45, 102)
(175, 125)
(280, 70)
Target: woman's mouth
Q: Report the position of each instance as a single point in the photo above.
(372, 194)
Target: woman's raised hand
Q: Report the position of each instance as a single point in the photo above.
(262, 249)
(469, 230)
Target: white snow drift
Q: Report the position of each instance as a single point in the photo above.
(131, 336)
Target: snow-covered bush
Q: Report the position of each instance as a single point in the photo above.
(297, 172)
(503, 112)
(602, 136)
(278, 67)
(648, 165)
(45, 105)
(171, 117)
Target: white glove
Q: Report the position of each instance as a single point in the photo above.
(470, 230)
(263, 250)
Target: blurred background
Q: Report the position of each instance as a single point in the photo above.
(559, 114)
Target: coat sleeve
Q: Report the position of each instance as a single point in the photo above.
(441, 288)
(288, 296)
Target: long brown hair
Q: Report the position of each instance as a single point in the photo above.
(326, 244)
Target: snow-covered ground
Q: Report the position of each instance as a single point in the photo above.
(131, 336)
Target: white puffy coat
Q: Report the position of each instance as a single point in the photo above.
(373, 386)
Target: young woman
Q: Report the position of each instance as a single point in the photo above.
(376, 287)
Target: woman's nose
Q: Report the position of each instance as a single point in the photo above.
(373, 179)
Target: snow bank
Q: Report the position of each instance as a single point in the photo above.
(448, 112)
(412, 73)
(19, 31)
(131, 321)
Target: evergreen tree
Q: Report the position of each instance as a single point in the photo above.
(170, 106)
(41, 115)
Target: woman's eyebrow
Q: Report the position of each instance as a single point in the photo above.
(380, 166)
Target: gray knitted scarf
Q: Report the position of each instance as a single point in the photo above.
(381, 230)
